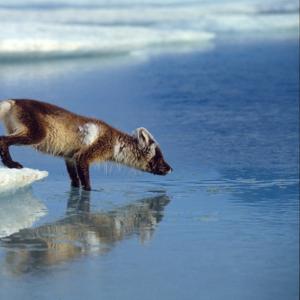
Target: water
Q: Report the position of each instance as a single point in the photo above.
(224, 225)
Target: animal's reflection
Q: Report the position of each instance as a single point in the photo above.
(81, 232)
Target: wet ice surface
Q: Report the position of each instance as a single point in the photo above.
(224, 225)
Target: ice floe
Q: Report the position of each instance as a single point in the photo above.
(12, 179)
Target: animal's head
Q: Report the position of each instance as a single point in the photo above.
(151, 158)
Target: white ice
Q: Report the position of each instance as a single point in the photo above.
(11, 179)
(81, 27)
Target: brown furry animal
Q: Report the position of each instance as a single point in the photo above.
(79, 140)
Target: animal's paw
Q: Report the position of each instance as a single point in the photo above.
(14, 165)
(75, 184)
(87, 188)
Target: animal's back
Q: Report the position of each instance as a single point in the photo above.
(63, 130)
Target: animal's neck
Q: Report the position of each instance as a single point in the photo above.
(127, 151)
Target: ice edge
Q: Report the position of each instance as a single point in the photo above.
(11, 179)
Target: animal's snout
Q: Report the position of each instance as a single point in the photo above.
(164, 169)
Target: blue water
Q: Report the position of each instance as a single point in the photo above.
(224, 225)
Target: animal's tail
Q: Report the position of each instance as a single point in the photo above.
(5, 107)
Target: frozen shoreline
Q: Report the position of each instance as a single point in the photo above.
(11, 179)
(96, 28)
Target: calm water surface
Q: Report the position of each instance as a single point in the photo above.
(224, 225)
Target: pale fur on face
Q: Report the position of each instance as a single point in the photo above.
(89, 133)
(138, 152)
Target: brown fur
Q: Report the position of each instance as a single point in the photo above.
(79, 140)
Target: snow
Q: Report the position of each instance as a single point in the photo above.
(11, 179)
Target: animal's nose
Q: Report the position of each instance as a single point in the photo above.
(168, 169)
(164, 169)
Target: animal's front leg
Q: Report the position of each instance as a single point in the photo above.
(71, 168)
(96, 152)
(83, 173)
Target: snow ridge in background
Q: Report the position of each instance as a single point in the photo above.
(11, 179)
(82, 28)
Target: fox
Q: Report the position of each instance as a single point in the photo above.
(79, 140)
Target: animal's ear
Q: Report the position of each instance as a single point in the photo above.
(143, 136)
